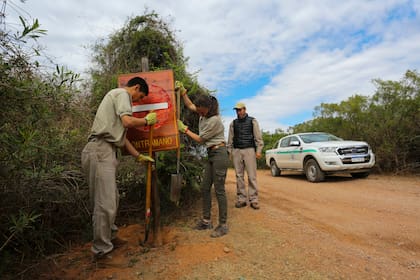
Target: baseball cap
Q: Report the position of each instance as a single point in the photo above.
(239, 105)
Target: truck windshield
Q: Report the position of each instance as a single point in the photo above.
(318, 137)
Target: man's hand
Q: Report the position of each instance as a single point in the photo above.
(182, 127)
(151, 118)
(144, 158)
(180, 87)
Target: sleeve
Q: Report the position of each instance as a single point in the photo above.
(211, 128)
(123, 105)
(229, 145)
(259, 143)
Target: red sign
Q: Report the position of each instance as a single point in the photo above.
(161, 100)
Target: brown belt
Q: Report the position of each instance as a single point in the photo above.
(214, 147)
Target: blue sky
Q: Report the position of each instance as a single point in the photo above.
(282, 58)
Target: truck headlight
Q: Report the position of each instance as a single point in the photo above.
(327, 149)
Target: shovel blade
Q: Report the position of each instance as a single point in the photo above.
(176, 185)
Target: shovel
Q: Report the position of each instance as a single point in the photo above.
(176, 179)
(149, 186)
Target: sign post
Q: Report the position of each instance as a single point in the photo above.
(161, 100)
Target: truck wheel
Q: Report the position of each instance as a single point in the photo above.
(275, 171)
(313, 172)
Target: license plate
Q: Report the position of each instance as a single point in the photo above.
(358, 159)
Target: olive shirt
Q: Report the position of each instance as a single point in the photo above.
(211, 130)
(107, 123)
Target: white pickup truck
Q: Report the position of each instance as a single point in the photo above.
(317, 154)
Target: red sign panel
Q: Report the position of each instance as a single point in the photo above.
(161, 100)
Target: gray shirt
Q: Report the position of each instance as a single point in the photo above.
(107, 123)
(211, 130)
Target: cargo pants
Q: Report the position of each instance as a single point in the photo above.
(99, 163)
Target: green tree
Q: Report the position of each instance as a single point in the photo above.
(394, 123)
(388, 121)
(148, 36)
(41, 124)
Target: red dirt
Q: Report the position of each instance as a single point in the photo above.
(343, 228)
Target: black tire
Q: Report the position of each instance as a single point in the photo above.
(360, 175)
(275, 171)
(313, 172)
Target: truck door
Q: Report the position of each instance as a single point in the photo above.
(295, 153)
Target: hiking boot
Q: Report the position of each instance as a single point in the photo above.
(101, 256)
(255, 205)
(240, 204)
(203, 225)
(219, 231)
(118, 242)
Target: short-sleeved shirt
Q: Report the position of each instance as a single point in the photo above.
(107, 123)
(211, 130)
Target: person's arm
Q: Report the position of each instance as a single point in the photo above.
(180, 89)
(188, 103)
(130, 148)
(194, 136)
(184, 129)
(130, 121)
(258, 139)
(229, 144)
(139, 157)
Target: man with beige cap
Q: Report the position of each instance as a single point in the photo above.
(244, 146)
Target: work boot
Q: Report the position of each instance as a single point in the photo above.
(203, 225)
(101, 256)
(255, 205)
(220, 231)
(240, 204)
(118, 242)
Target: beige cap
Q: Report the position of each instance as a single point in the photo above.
(239, 105)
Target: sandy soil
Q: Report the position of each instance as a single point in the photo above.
(343, 228)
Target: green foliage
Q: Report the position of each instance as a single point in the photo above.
(142, 36)
(23, 222)
(148, 36)
(42, 127)
(32, 31)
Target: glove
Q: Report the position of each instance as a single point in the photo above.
(150, 118)
(182, 127)
(180, 87)
(143, 158)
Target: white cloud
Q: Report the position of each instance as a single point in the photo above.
(309, 51)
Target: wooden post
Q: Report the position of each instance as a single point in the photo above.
(144, 64)
(157, 234)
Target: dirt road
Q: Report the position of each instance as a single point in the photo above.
(343, 228)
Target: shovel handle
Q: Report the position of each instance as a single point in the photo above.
(149, 185)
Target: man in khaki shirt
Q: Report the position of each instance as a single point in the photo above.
(245, 146)
(99, 162)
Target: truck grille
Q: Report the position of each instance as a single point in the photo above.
(349, 160)
(355, 150)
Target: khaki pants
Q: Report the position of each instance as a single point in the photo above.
(99, 163)
(245, 160)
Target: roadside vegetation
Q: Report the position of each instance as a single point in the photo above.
(46, 116)
(389, 121)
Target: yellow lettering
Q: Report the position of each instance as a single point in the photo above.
(157, 143)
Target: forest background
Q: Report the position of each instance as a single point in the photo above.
(46, 116)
